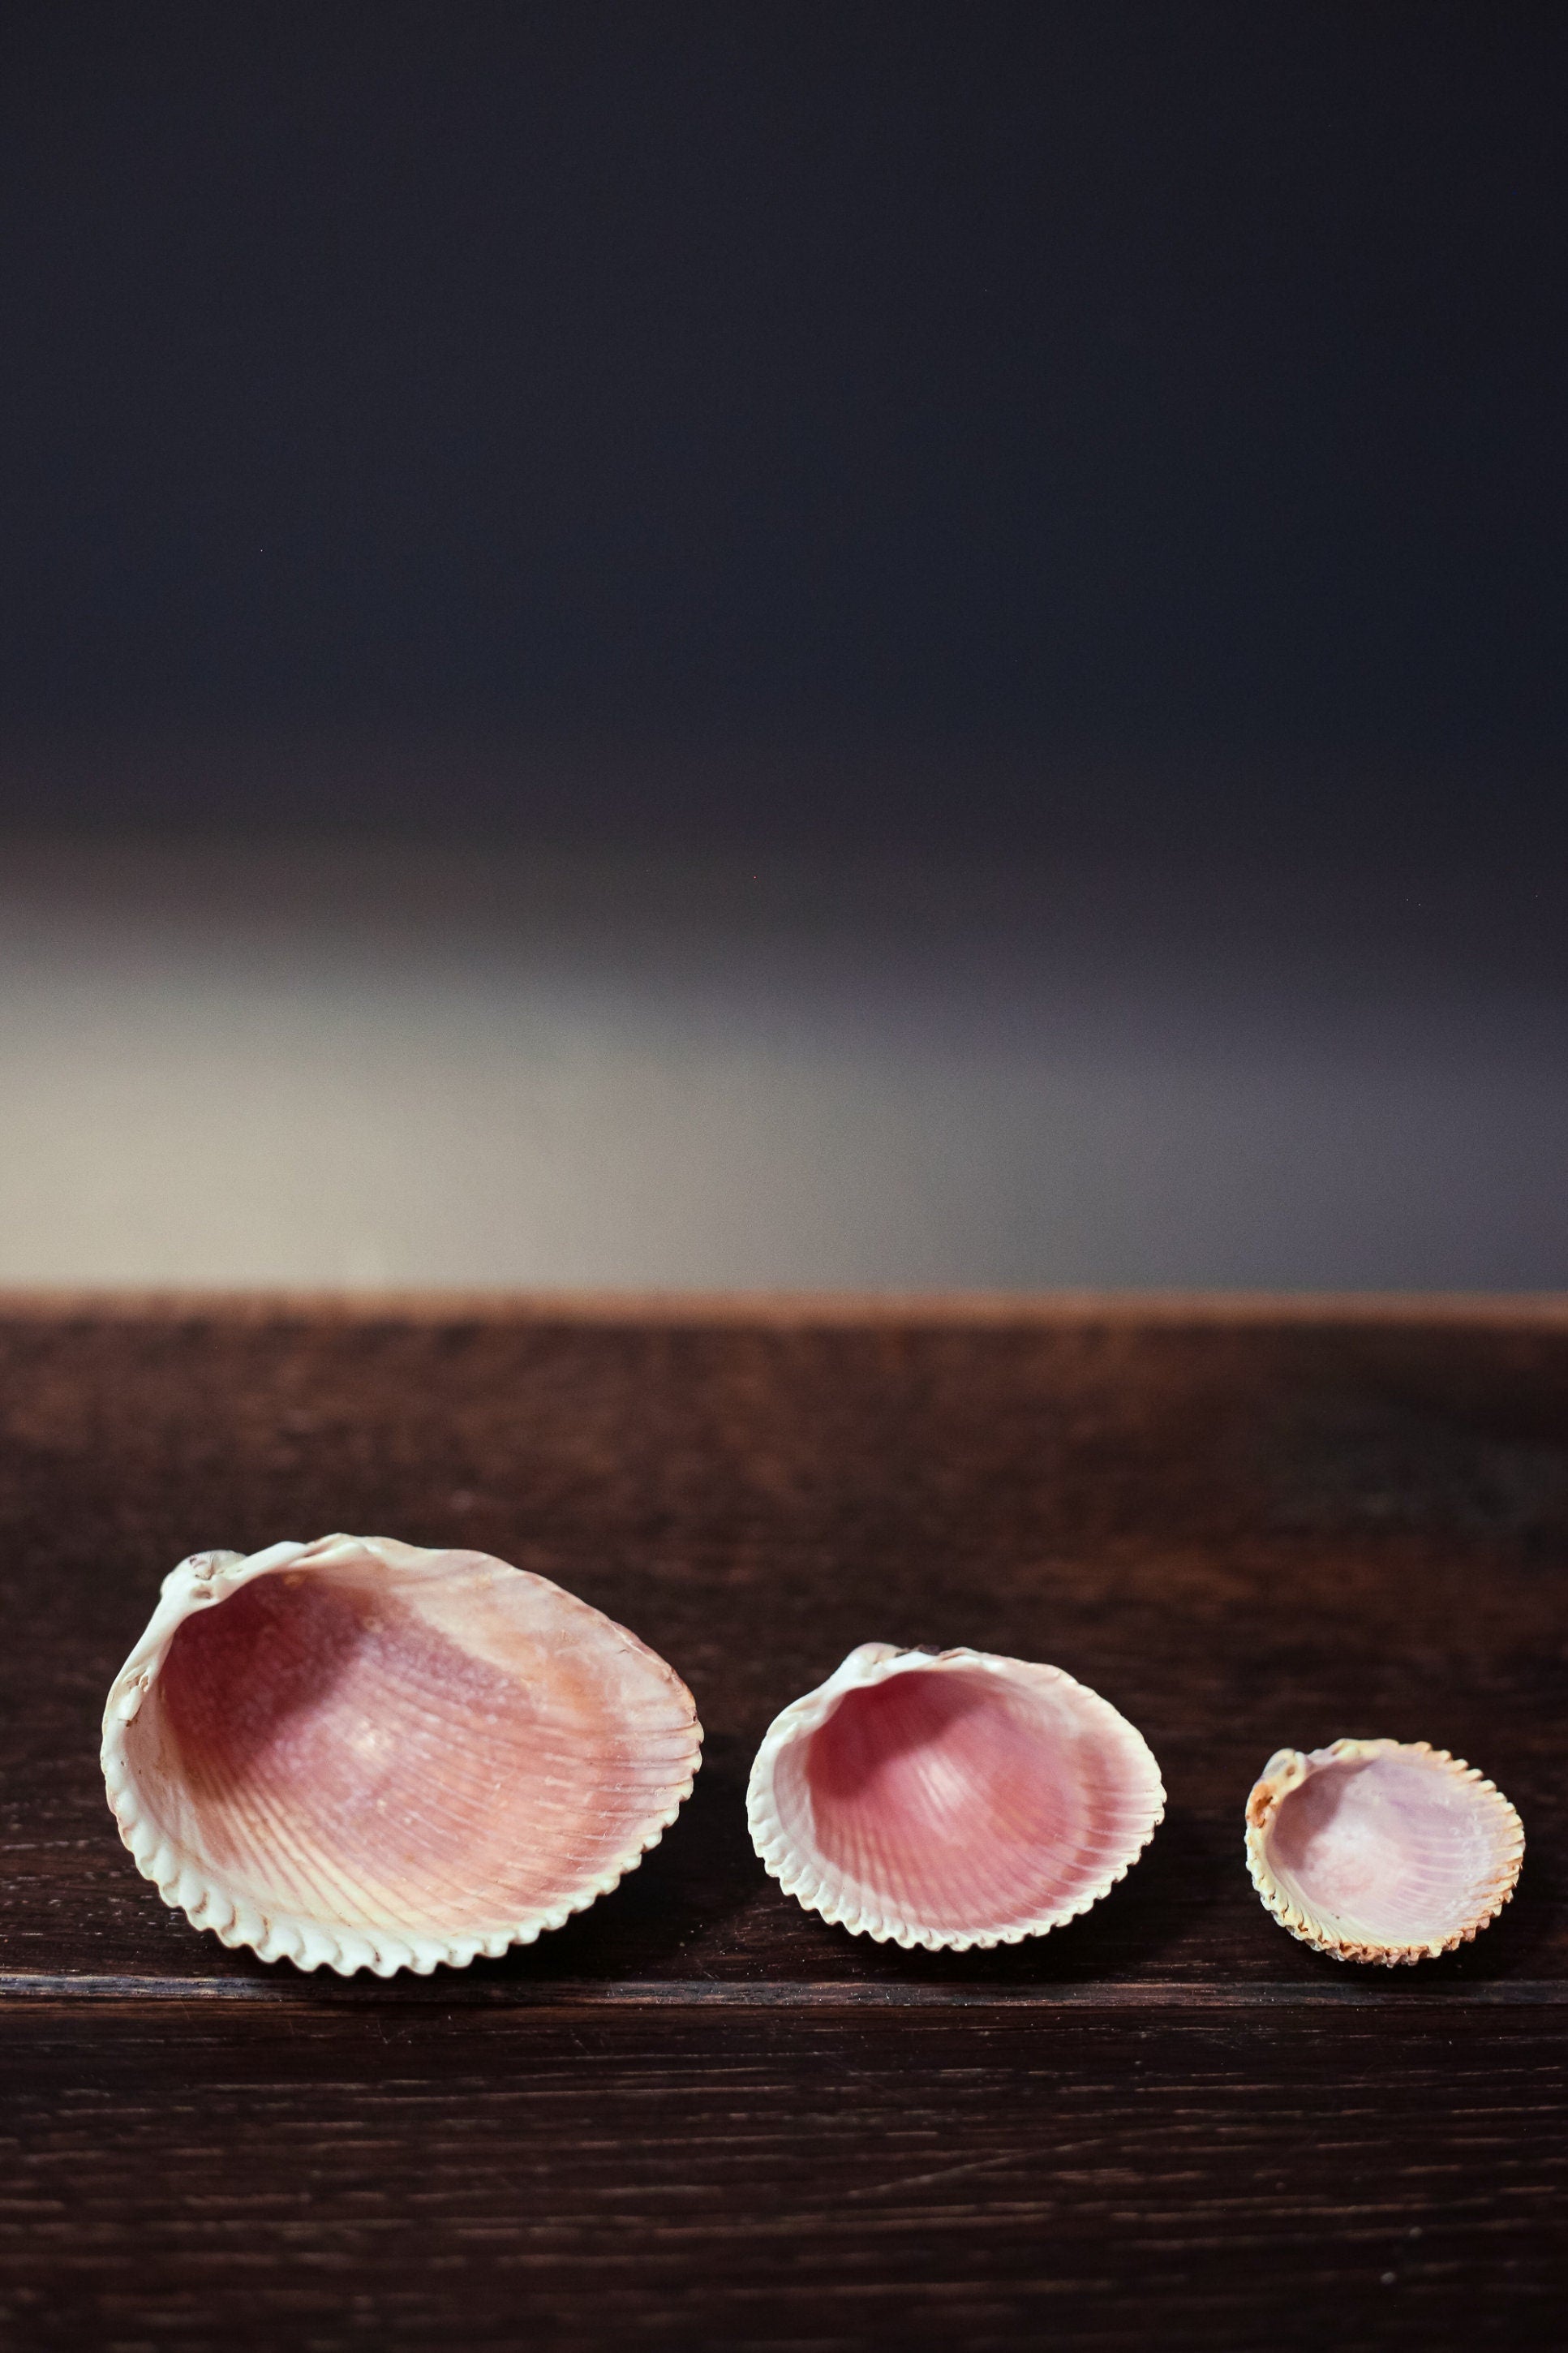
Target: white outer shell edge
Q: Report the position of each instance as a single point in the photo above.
(877, 1662)
(199, 1583)
(1289, 1768)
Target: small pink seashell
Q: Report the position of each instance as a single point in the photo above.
(1384, 1851)
(951, 1800)
(365, 1755)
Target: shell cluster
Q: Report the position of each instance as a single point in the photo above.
(359, 1754)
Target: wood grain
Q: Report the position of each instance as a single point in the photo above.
(611, 2179)
(1245, 1523)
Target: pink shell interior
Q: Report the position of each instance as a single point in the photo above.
(1386, 1850)
(961, 1800)
(322, 1747)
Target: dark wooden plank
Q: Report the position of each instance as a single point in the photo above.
(1244, 1528)
(832, 2180)
(697, 2115)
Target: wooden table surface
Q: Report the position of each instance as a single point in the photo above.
(697, 2115)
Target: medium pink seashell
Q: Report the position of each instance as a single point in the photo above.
(951, 1800)
(1381, 1850)
(365, 1755)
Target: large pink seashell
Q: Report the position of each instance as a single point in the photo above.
(1381, 1850)
(951, 1800)
(365, 1755)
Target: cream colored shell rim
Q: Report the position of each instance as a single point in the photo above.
(201, 1583)
(876, 1662)
(1289, 1768)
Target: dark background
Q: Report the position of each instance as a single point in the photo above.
(1171, 391)
(1111, 456)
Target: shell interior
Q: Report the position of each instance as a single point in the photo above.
(367, 1755)
(954, 1801)
(1381, 1850)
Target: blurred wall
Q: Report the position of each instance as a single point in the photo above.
(316, 1063)
(885, 644)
